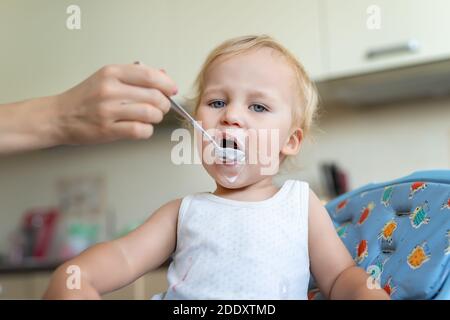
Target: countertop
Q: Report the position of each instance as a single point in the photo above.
(39, 266)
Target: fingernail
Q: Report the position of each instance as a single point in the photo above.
(175, 91)
(163, 71)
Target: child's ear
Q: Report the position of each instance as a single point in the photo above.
(292, 145)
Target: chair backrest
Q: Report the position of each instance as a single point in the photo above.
(399, 231)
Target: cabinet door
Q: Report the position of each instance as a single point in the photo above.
(40, 281)
(143, 288)
(156, 282)
(410, 31)
(134, 291)
(16, 287)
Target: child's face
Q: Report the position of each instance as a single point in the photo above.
(249, 98)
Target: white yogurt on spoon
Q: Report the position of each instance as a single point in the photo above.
(230, 154)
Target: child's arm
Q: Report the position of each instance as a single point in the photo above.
(331, 264)
(111, 265)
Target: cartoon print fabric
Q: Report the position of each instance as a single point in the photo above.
(400, 232)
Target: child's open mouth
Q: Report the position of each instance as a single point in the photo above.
(229, 143)
(230, 151)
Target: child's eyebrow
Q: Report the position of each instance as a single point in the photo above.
(253, 94)
(212, 90)
(259, 94)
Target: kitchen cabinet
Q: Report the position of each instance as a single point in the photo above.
(16, 287)
(142, 289)
(22, 285)
(410, 32)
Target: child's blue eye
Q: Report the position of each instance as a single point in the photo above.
(217, 104)
(258, 107)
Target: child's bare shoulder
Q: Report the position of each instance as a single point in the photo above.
(172, 205)
(318, 215)
(314, 202)
(169, 210)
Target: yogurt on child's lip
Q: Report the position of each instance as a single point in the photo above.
(230, 171)
(231, 157)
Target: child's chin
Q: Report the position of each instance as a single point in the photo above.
(229, 184)
(230, 181)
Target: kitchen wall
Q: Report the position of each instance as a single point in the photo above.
(43, 56)
(385, 141)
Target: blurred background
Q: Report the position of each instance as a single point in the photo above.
(382, 69)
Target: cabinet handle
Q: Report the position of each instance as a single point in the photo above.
(411, 46)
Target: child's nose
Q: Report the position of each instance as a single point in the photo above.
(232, 116)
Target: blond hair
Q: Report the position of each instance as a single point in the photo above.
(304, 114)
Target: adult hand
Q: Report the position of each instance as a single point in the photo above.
(116, 102)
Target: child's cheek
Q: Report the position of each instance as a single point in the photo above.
(268, 145)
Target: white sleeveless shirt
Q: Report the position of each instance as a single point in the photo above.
(228, 249)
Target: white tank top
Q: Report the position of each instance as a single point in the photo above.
(228, 249)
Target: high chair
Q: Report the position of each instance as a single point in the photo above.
(399, 232)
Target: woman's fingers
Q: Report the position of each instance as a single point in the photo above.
(116, 102)
(142, 95)
(141, 112)
(132, 130)
(134, 83)
(144, 76)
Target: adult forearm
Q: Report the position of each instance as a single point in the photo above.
(30, 124)
(116, 102)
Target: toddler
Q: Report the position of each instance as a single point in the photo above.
(248, 239)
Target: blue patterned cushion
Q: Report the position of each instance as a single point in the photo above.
(399, 232)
